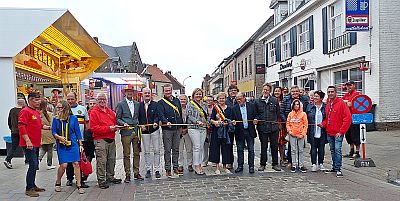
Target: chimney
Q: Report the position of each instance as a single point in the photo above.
(155, 65)
(96, 39)
(169, 72)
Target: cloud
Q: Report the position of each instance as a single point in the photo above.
(185, 36)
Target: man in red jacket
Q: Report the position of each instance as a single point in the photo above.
(336, 123)
(353, 134)
(103, 125)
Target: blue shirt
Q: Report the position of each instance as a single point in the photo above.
(243, 110)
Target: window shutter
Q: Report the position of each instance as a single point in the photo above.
(295, 81)
(353, 38)
(277, 83)
(293, 41)
(278, 48)
(266, 55)
(311, 24)
(325, 30)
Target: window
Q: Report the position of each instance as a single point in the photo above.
(336, 19)
(293, 5)
(250, 65)
(241, 64)
(343, 76)
(245, 67)
(304, 36)
(307, 84)
(238, 70)
(271, 53)
(286, 46)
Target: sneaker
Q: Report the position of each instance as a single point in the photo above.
(251, 170)
(321, 167)
(69, 183)
(190, 168)
(178, 171)
(114, 180)
(227, 171)
(276, 168)
(205, 164)
(339, 174)
(356, 155)
(84, 185)
(148, 174)
(31, 193)
(127, 179)
(303, 169)
(138, 177)
(213, 165)
(103, 185)
(51, 167)
(158, 175)
(293, 169)
(217, 172)
(314, 168)
(261, 168)
(330, 171)
(8, 165)
(168, 173)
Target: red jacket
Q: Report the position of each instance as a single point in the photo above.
(100, 122)
(350, 96)
(339, 117)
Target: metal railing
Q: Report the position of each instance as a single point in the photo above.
(339, 43)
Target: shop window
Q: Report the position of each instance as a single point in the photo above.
(341, 77)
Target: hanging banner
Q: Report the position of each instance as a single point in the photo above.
(357, 15)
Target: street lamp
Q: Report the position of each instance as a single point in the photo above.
(183, 83)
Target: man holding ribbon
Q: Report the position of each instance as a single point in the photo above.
(170, 113)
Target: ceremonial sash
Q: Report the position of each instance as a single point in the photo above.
(172, 105)
(220, 113)
(200, 110)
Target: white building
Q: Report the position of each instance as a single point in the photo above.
(310, 47)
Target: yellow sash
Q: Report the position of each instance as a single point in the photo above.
(172, 105)
(200, 110)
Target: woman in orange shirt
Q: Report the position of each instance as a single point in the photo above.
(297, 125)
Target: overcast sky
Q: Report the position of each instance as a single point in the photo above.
(185, 36)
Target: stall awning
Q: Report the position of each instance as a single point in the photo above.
(81, 54)
(119, 78)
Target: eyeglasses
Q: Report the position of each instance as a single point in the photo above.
(101, 99)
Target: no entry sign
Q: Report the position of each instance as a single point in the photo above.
(361, 104)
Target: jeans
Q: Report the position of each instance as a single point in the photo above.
(185, 143)
(15, 144)
(198, 137)
(47, 148)
(297, 146)
(317, 149)
(32, 156)
(152, 139)
(273, 140)
(171, 139)
(249, 140)
(335, 144)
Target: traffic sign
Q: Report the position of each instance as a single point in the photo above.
(361, 104)
(363, 135)
(366, 118)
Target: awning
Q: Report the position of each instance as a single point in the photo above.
(119, 78)
(57, 27)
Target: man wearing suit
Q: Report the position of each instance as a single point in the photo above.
(150, 134)
(245, 132)
(267, 109)
(127, 116)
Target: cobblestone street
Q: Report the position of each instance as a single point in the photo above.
(357, 184)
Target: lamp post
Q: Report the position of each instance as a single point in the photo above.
(183, 83)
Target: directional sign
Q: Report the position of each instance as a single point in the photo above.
(363, 133)
(361, 104)
(366, 118)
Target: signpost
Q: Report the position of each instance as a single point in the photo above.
(357, 15)
(360, 105)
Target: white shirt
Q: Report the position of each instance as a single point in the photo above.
(131, 106)
(318, 120)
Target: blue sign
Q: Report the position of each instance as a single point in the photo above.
(366, 118)
(357, 15)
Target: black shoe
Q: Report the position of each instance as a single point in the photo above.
(104, 185)
(239, 169)
(251, 170)
(293, 169)
(69, 183)
(148, 174)
(330, 171)
(83, 185)
(8, 165)
(303, 169)
(158, 175)
(276, 168)
(115, 181)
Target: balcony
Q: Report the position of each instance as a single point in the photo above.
(339, 43)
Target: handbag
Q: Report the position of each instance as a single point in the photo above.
(85, 165)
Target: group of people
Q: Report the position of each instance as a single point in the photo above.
(205, 129)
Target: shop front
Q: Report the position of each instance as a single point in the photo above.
(43, 50)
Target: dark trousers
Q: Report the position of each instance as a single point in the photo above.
(32, 156)
(273, 140)
(232, 138)
(88, 147)
(240, 142)
(317, 149)
(14, 146)
(218, 147)
(289, 153)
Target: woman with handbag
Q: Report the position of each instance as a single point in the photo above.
(48, 140)
(65, 129)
